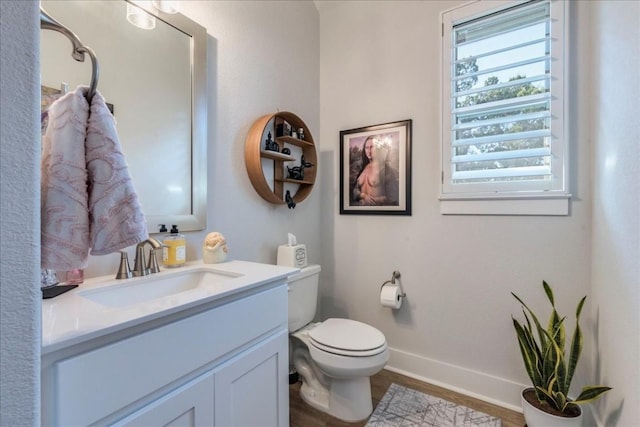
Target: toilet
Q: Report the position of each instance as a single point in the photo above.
(334, 358)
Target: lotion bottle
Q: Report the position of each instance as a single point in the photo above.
(174, 253)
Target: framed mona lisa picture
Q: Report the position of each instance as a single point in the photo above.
(375, 169)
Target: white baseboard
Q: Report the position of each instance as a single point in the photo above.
(495, 390)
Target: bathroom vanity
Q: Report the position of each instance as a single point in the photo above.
(199, 345)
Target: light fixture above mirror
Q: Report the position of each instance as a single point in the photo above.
(140, 12)
(166, 6)
(138, 16)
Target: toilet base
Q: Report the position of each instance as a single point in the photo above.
(348, 400)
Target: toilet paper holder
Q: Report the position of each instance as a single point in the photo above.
(395, 275)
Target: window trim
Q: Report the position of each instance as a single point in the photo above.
(502, 200)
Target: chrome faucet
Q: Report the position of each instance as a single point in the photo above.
(139, 268)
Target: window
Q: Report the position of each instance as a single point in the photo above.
(504, 144)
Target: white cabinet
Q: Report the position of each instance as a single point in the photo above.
(220, 365)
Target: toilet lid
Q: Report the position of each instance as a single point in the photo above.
(346, 334)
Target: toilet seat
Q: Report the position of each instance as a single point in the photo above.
(347, 337)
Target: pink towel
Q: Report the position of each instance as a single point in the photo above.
(115, 213)
(63, 186)
(87, 197)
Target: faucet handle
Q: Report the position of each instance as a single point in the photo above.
(152, 265)
(124, 272)
(139, 268)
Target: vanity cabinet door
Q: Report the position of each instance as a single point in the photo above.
(188, 406)
(252, 389)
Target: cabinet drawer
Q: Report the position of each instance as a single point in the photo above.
(100, 382)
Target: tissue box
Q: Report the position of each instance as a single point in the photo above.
(292, 256)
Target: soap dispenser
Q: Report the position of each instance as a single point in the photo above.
(174, 253)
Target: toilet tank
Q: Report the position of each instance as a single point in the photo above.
(303, 296)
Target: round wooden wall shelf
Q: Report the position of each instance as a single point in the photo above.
(255, 152)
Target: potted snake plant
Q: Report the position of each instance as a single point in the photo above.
(547, 403)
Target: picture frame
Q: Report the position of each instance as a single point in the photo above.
(375, 169)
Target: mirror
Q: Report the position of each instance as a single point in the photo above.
(156, 82)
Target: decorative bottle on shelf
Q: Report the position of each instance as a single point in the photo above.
(175, 250)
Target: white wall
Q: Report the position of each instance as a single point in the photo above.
(380, 63)
(263, 57)
(19, 216)
(616, 209)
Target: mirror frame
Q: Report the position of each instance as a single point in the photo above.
(197, 220)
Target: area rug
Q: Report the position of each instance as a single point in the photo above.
(405, 407)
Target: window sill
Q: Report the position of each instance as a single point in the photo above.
(535, 206)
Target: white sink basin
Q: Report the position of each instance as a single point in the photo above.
(127, 292)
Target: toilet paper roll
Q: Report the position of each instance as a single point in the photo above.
(390, 296)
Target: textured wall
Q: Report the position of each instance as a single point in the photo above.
(20, 215)
(616, 209)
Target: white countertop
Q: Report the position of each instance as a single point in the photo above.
(74, 316)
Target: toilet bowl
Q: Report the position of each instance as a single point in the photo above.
(334, 358)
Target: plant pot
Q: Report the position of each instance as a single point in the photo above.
(536, 417)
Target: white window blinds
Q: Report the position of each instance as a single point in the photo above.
(504, 100)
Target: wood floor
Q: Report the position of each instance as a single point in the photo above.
(303, 415)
